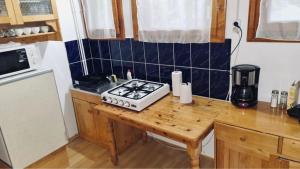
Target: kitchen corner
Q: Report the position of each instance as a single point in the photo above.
(239, 129)
(149, 84)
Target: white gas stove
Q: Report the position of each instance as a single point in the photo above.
(135, 94)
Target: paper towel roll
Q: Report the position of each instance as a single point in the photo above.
(186, 93)
(176, 82)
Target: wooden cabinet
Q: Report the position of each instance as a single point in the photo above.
(293, 165)
(91, 124)
(283, 163)
(7, 15)
(35, 10)
(18, 12)
(85, 119)
(26, 14)
(103, 128)
(95, 127)
(291, 148)
(242, 148)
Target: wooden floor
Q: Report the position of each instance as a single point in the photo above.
(82, 154)
(3, 166)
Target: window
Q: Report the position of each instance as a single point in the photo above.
(181, 21)
(274, 20)
(103, 19)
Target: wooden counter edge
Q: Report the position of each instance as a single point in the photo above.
(149, 128)
(260, 131)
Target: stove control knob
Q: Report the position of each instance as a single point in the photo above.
(126, 104)
(121, 103)
(109, 100)
(115, 101)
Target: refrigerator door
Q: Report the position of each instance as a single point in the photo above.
(31, 118)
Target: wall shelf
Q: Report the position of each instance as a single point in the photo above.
(31, 38)
(34, 35)
(18, 16)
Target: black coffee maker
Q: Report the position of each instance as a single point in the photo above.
(245, 85)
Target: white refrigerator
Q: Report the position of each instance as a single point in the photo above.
(31, 118)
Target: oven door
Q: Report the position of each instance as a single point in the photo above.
(13, 62)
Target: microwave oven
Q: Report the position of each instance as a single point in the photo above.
(16, 60)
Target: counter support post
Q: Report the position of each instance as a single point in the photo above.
(194, 149)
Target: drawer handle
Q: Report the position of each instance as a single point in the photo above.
(243, 139)
(90, 111)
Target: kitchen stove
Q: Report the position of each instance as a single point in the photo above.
(136, 94)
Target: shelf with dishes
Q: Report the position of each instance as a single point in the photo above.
(29, 21)
(30, 32)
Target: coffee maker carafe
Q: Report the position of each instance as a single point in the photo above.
(245, 85)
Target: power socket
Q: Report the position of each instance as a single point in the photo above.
(235, 29)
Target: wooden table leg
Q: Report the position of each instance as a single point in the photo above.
(112, 143)
(194, 150)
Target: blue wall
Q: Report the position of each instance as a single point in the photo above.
(205, 65)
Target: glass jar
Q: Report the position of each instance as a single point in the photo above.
(274, 98)
(283, 100)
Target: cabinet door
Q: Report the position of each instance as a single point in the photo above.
(102, 127)
(35, 10)
(7, 15)
(124, 135)
(294, 165)
(291, 148)
(283, 163)
(241, 148)
(85, 120)
(233, 156)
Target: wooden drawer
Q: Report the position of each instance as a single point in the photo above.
(247, 140)
(291, 148)
(294, 165)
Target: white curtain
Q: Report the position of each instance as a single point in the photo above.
(99, 18)
(279, 20)
(169, 21)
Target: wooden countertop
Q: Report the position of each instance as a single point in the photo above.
(191, 121)
(185, 123)
(263, 119)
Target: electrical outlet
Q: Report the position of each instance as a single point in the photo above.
(235, 29)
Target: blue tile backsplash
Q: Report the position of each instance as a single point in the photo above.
(205, 65)
(165, 53)
(182, 54)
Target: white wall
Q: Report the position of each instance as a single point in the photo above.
(66, 19)
(279, 62)
(54, 56)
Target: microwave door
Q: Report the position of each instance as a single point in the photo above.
(13, 62)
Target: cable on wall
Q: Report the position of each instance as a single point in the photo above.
(236, 25)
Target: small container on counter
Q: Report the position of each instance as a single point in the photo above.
(274, 98)
(129, 76)
(283, 100)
